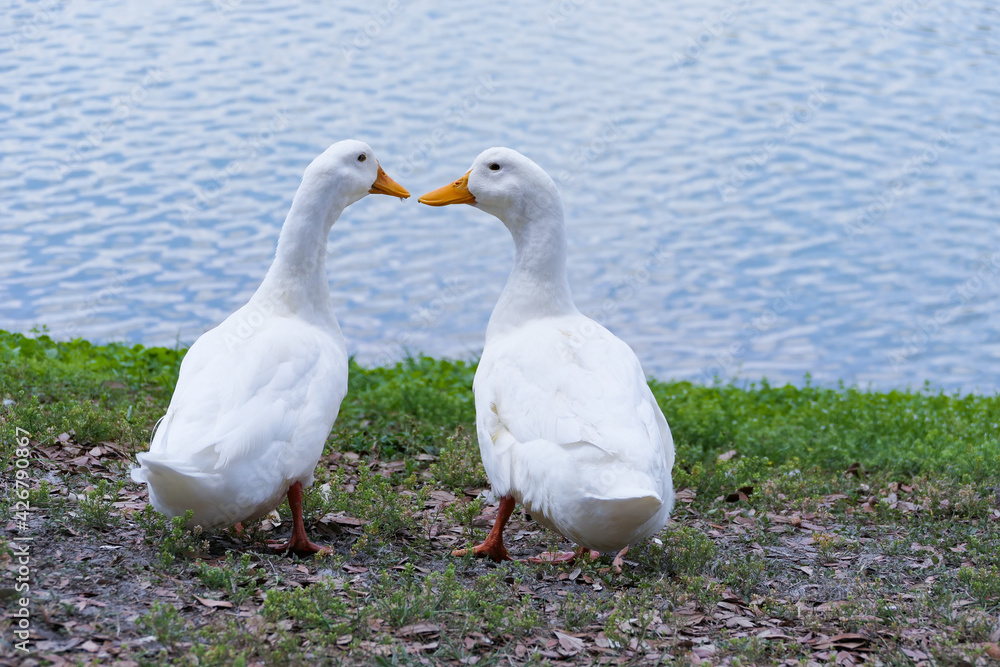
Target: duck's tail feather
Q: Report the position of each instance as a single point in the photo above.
(621, 508)
(175, 488)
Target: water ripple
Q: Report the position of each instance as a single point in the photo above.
(752, 190)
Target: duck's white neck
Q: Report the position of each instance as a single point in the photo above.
(296, 283)
(537, 286)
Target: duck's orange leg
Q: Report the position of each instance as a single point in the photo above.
(299, 543)
(492, 547)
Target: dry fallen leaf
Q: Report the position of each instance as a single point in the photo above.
(569, 642)
(342, 519)
(848, 640)
(915, 654)
(686, 495)
(741, 494)
(418, 629)
(845, 658)
(214, 603)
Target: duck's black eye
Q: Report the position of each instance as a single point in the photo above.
(362, 157)
(495, 167)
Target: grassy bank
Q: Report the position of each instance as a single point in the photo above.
(813, 524)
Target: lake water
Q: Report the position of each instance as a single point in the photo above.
(752, 189)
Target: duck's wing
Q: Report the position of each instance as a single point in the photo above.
(239, 398)
(569, 382)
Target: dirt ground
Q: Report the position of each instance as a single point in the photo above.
(851, 570)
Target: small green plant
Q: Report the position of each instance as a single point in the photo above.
(165, 623)
(319, 607)
(986, 548)
(399, 657)
(576, 611)
(218, 578)
(493, 604)
(706, 592)
(40, 496)
(404, 601)
(756, 651)
(182, 541)
(459, 465)
(152, 523)
(464, 514)
(677, 550)
(173, 536)
(983, 584)
(375, 499)
(828, 545)
(96, 507)
(497, 602)
(741, 573)
(229, 650)
(236, 577)
(633, 617)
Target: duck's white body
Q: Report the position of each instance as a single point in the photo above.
(248, 418)
(257, 395)
(567, 424)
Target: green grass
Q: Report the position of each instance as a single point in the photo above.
(909, 540)
(896, 432)
(115, 392)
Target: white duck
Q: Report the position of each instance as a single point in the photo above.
(257, 395)
(567, 424)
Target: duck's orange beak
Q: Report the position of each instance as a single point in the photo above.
(384, 185)
(453, 193)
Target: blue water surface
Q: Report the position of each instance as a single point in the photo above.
(752, 189)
